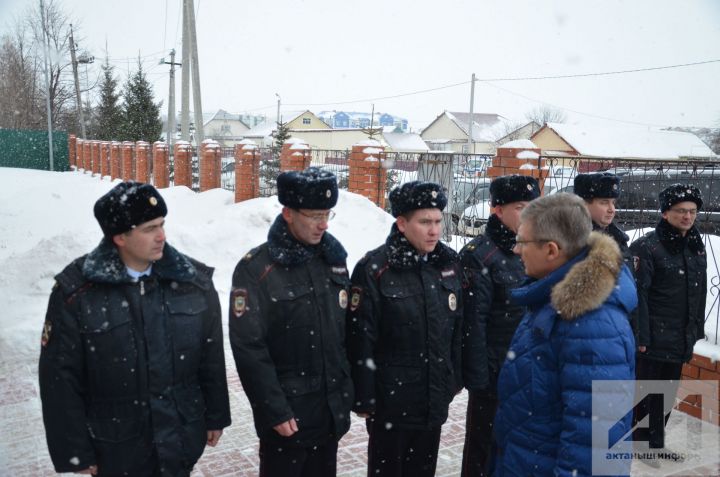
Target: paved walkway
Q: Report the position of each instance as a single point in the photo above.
(23, 451)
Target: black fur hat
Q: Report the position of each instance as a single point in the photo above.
(600, 185)
(514, 188)
(677, 193)
(312, 188)
(128, 205)
(417, 195)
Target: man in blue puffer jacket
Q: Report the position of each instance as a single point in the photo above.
(576, 331)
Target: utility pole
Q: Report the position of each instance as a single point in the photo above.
(195, 65)
(78, 101)
(171, 100)
(470, 121)
(278, 109)
(47, 85)
(75, 62)
(191, 66)
(185, 81)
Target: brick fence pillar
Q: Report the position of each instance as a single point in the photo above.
(182, 167)
(247, 171)
(72, 141)
(79, 156)
(126, 167)
(142, 161)
(699, 369)
(210, 165)
(87, 163)
(96, 157)
(91, 158)
(160, 168)
(115, 168)
(104, 158)
(295, 155)
(368, 176)
(522, 160)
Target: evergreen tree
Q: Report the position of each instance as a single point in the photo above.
(141, 116)
(270, 168)
(281, 135)
(108, 115)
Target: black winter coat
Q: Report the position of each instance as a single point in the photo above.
(287, 331)
(129, 368)
(672, 287)
(492, 270)
(620, 238)
(404, 329)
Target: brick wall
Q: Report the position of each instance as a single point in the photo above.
(522, 161)
(700, 368)
(367, 174)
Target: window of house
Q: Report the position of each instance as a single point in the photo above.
(306, 120)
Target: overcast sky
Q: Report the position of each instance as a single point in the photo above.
(335, 51)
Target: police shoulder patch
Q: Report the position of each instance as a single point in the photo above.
(355, 298)
(238, 301)
(46, 333)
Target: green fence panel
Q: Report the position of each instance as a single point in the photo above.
(28, 149)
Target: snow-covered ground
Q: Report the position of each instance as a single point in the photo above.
(46, 220)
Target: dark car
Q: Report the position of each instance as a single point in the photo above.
(466, 193)
(638, 204)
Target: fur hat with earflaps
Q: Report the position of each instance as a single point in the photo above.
(128, 205)
(513, 188)
(312, 188)
(677, 193)
(417, 195)
(598, 185)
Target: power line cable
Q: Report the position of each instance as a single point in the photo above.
(523, 78)
(422, 91)
(573, 110)
(123, 58)
(605, 73)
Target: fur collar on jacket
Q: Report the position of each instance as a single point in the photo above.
(103, 265)
(502, 236)
(287, 251)
(674, 242)
(614, 231)
(582, 284)
(401, 254)
(591, 281)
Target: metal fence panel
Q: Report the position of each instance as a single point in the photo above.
(28, 149)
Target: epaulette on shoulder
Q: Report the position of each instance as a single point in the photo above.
(370, 255)
(204, 273)
(253, 253)
(469, 247)
(71, 280)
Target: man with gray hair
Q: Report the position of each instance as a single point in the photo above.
(576, 330)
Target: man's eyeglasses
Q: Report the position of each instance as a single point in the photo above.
(520, 243)
(681, 211)
(318, 218)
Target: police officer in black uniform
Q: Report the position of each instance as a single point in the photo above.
(491, 270)
(404, 335)
(600, 190)
(287, 331)
(132, 370)
(672, 286)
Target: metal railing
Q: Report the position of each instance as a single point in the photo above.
(466, 178)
